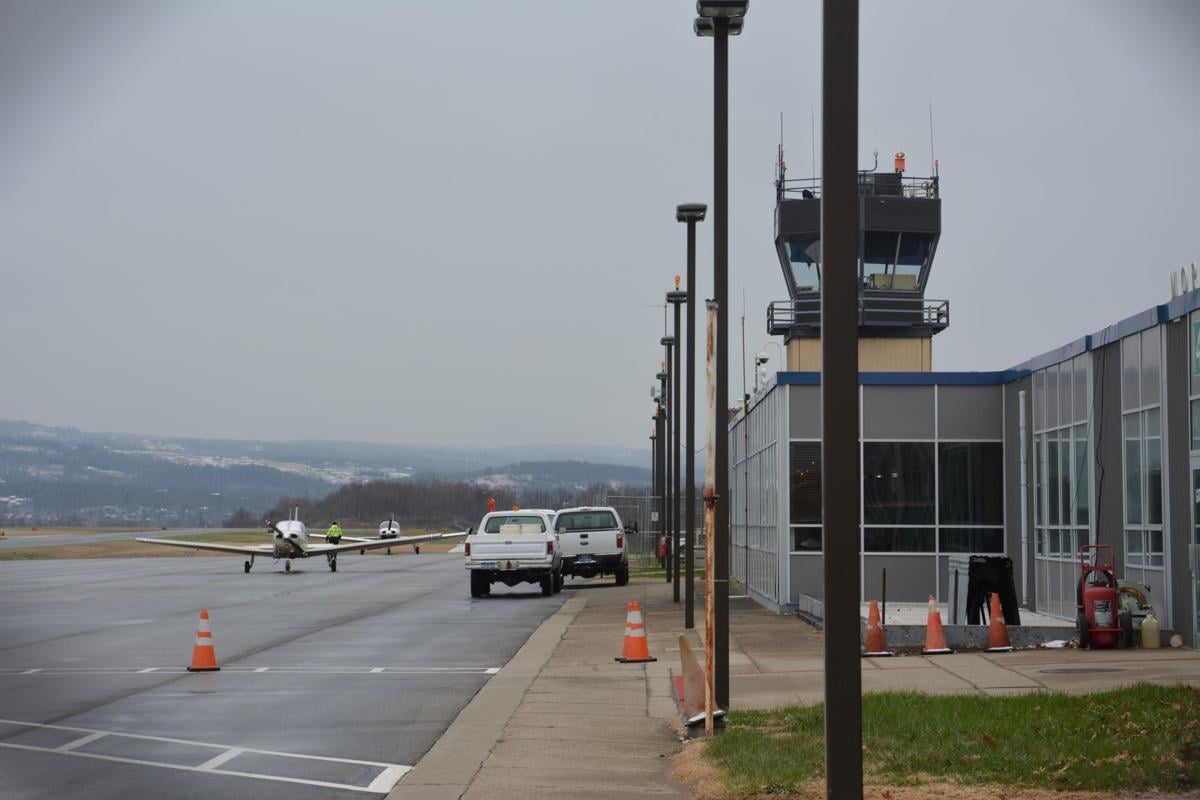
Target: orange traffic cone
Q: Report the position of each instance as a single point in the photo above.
(935, 634)
(876, 644)
(635, 648)
(204, 655)
(997, 631)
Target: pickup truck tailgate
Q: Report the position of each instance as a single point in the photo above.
(511, 542)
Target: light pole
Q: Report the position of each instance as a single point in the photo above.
(675, 298)
(653, 470)
(720, 19)
(840, 473)
(668, 343)
(691, 213)
(662, 464)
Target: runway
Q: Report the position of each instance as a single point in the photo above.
(332, 684)
(52, 539)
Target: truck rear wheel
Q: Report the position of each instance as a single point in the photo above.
(547, 583)
(558, 582)
(622, 576)
(478, 587)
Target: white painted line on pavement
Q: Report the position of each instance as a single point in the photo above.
(491, 670)
(80, 742)
(376, 670)
(146, 670)
(261, 669)
(388, 776)
(217, 761)
(31, 671)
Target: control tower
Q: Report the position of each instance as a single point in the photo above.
(900, 220)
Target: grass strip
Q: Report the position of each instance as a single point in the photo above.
(1137, 738)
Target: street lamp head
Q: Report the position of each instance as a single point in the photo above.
(662, 376)
(722, 8)
(704, 26)
(676, 297)
(668, 341)
(690, 212)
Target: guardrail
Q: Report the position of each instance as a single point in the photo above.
(874, 311)
(871, 184)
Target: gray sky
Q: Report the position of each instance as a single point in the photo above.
(444, 222)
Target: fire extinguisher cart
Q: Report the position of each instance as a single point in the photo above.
(1096, 621)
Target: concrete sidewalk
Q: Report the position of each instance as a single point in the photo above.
(563, 719)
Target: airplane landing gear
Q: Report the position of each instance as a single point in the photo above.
(287, 565)
(333, 564)
(416, 549)
(246, 566)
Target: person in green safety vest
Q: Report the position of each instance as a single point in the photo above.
(334, 534)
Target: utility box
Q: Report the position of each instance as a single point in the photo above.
(972, 579)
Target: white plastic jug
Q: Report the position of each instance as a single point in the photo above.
(1150, 638)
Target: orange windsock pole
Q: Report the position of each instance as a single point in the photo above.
(997, 631)
(204, 655)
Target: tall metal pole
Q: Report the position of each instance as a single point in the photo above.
(676, 300)
(720, 567)
(663, 469)
(669, 451)
(841, 476)
(653, 481)
(710, 522)
(689, 463)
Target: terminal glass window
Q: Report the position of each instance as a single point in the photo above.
(805, 496)
(899, 540)
(898, 483)
(971, 483)
(1062, 481)
(1142, 479)
(895, 260)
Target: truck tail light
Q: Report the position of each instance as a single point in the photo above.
(467, 549)
(549, 548)
(620, 541)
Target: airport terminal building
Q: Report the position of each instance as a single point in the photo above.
(1094, 442)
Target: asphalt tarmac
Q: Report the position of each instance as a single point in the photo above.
(331, 684)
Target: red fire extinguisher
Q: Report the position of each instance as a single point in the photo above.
(662, 549)
(1096, 620)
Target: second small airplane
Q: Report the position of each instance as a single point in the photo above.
(291, 540)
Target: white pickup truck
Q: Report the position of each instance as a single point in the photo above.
(593, 543)
(512, 547)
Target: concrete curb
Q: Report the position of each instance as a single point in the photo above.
(446, 771)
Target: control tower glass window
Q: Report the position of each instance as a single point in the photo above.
(804, 253)
(895, 260)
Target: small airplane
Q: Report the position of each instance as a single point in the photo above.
(291, 540)
(390, 529)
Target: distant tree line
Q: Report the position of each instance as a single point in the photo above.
(433, 503)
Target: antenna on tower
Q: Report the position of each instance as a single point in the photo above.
(812, 137)
(932, 158)
(780, 164)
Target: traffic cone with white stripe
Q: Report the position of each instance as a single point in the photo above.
(635, 649)
(204, 655)
(876, 644)
(935, 634)
(997, 631)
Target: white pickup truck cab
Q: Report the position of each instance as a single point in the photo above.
(593, 543)
(512, 547)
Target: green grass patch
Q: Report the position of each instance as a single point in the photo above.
(1137, 738)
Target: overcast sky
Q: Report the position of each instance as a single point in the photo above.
(450, 222)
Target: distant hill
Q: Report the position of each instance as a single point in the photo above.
(51, 475)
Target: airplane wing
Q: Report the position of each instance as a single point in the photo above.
(248, 550)
(378, 544)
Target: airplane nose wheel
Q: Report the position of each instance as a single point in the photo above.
(246, 566)
(287, 566)
(333, 564)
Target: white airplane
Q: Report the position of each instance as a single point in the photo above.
(390, 529)
(292, 541)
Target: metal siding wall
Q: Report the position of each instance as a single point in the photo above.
(897, 412)
(911, 579)
(1012, 478)
(1110, 479)
(970, 412)
(807, 577)
(804, 412)
(1178, 477)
